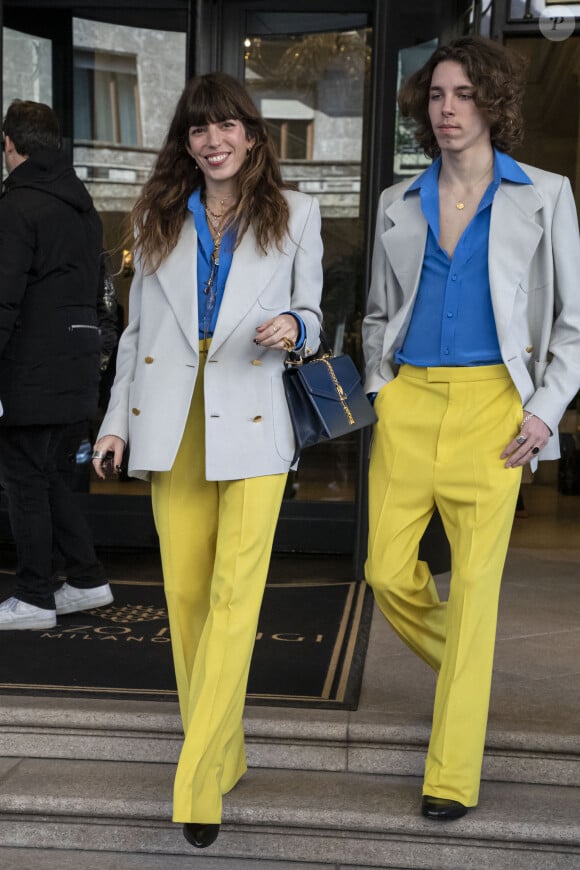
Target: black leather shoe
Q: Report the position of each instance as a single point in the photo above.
(199, 835)
(441, 809)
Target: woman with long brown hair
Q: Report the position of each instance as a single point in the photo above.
(228, 279)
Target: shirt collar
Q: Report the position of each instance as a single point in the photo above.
(505, 168)
(194, 203)
(427, 179)
(195, 206)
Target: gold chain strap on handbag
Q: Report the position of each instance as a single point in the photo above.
(339, 390)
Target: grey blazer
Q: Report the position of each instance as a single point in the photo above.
(247, 426)
(534, 269)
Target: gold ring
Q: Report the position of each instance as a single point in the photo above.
(288, 343)
(276, 327)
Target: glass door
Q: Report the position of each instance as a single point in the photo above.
(309, 74)
(126, 82)
(311, 88)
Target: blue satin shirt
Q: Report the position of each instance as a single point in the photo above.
(453, 323)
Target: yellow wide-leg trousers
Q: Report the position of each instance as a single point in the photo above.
(215, 540)
(438, 442)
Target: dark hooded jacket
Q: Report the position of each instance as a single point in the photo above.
(50, 279)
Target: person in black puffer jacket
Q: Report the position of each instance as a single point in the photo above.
(50, 268)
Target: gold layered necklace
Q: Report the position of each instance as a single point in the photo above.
(218, 221)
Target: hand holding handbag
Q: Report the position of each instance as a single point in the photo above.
(325, 397)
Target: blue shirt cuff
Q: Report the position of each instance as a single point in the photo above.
(301, 330)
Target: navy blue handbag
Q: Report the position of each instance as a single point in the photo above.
(325, 397)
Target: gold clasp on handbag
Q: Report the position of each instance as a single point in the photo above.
(300, 361)
(340, 392)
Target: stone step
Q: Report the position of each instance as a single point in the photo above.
(331, 819)
(58, 859)
(287, 738)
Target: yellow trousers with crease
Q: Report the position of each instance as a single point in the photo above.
(438, 442)
(215, 540)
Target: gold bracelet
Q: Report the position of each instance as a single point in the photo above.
(526, 419)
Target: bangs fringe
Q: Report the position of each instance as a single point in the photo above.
(211, 105)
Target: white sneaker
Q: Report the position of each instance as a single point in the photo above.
(16, 614)
(70, 599)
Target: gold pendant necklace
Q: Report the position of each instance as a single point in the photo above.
(220, 199)
(460, 203)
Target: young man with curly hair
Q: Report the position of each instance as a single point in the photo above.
(472, 346)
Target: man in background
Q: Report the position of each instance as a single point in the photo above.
(50, 268)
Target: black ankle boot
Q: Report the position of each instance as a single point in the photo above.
(441, 809)
(199, 835)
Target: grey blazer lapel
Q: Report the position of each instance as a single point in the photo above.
(177, 275)
(249, 274)
(405, 241)
(514, 236)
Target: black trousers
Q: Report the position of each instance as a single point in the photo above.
(49, 530)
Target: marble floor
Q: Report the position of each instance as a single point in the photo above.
(553, 521)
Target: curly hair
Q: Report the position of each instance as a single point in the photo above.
(158, 214)
(498, 79)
